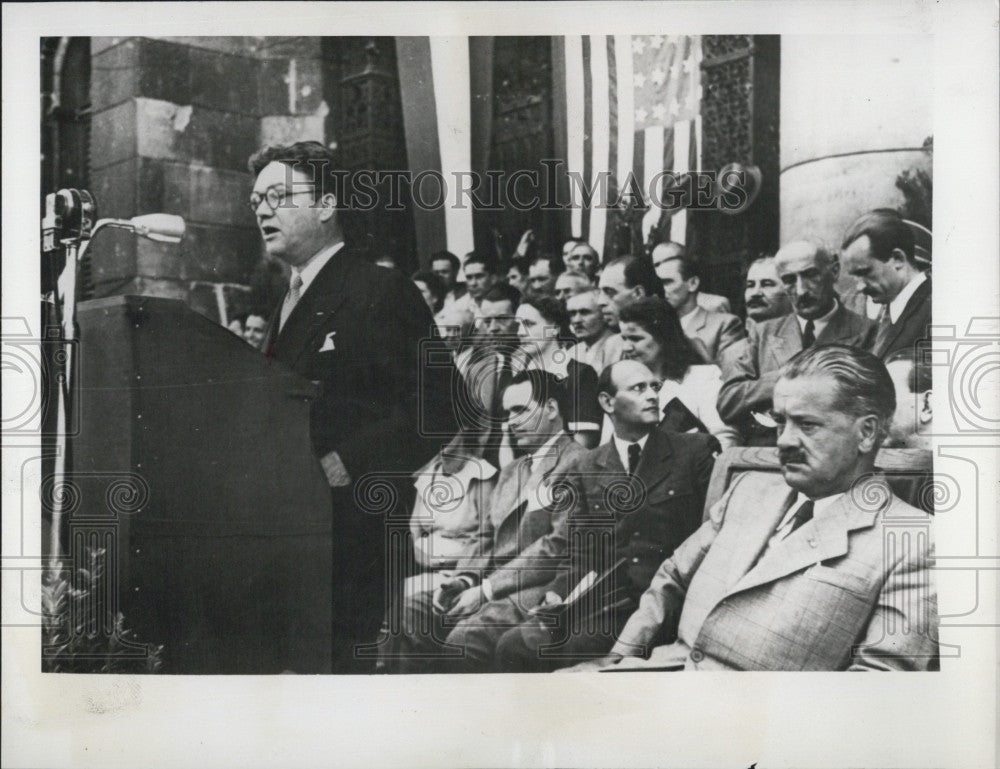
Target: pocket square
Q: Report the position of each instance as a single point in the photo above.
(328, 344)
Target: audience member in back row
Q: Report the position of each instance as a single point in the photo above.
(764, 295)
(793, 573)
(711, 331)
(431, 289)
(570, 284)
(517, 273)
(543, 332)
(911, 425)
(445, 265)
(582, 258)
(879, 253)
(624, 280)
(255, 327)
(542, 274)
(809, 273)
(631, 502)
(651, 334)
(597, 345)
(480, 275)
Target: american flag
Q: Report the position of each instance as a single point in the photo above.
(632, 106)
(622, 104)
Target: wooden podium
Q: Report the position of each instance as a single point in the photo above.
(194, 470)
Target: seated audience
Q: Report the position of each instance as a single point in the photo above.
(911, 425)
(520, 540)
(712, 332)
(457, 328)
(879, 253)
(597, 345)
(543, 332)
(431, 289)
(624, 280)
(809, 274)
(652, 335)
(632, 501)
(569, 284)
(764, 294)
(450, 506)
(254, 328)
(792, 573)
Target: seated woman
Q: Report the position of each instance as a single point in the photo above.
(452, 494)
(651, 333)
(544, 341)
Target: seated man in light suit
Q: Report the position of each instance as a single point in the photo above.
(808, 572)
(809, 273)
(517, 547)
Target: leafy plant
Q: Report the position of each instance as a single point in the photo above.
(74, 635)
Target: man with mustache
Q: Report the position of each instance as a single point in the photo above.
(598, 345)
(807, 571)
(880, 254)
(809, 274)
(764, 294)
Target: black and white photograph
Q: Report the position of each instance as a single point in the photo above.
(497, 340)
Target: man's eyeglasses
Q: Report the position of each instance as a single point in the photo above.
(275, 197)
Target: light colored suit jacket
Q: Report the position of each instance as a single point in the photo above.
(748, 379)
(715, 330)
(713, 302)
(604, 352)
(516, 538)
(852, 588)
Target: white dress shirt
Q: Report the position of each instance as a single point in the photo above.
(818, 323)
(897, 305)
(621, 446)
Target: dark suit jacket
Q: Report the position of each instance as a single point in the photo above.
(357, 332)
(641, 519)
(912, 324)
(748, 378)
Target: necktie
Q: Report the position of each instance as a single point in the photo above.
(809, 335)
(294, 291)
(634, 452)
(884, 323)
(803, 514)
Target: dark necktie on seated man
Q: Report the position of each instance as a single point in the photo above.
(634, 454)
(809, 335)
(803, 515)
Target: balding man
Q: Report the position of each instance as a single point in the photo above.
(809, 273)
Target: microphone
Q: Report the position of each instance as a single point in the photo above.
(164, 228)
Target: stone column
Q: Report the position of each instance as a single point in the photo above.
(855, 114)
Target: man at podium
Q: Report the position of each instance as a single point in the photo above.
(355, 330)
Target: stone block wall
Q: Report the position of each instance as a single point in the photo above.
(174, 121)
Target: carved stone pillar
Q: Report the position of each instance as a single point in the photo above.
(740, 120)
